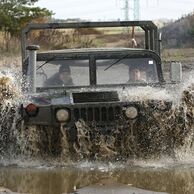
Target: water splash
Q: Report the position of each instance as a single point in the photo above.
(144, 93)
(160, 132)
(10, 93)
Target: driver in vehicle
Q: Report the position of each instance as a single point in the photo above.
(135, 76)
(63, 77)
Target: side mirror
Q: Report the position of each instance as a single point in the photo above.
(175, 71)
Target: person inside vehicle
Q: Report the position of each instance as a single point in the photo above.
(135, 76)
(61, 78)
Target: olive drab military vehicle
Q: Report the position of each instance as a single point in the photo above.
(70, 87)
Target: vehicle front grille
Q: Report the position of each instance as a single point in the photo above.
(111, 96)
(98, 114)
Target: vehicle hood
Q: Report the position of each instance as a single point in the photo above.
(94, 95)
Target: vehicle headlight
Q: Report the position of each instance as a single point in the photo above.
(131, 112)
(62, 115)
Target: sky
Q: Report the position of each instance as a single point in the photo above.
(96, 10)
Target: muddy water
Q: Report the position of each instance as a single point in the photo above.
(176, 179)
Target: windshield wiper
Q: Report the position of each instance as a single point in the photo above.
(45, 63)
(118, 60)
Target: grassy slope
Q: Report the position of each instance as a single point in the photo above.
(181, 54)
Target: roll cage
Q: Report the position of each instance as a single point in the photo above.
(149, 28)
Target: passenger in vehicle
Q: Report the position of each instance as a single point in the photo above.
(61, 78)
(135, 76)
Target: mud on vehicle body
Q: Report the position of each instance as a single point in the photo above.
(91, 107)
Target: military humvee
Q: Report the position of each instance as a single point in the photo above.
(89, 91)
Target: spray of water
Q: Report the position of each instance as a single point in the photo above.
(161, 131)
(10, 94)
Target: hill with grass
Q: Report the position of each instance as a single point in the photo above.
(179, 34)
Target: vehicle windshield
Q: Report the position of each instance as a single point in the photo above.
(62, 73)
(126, 71)
(77, 73)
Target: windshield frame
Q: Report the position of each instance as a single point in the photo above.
(92, 57)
